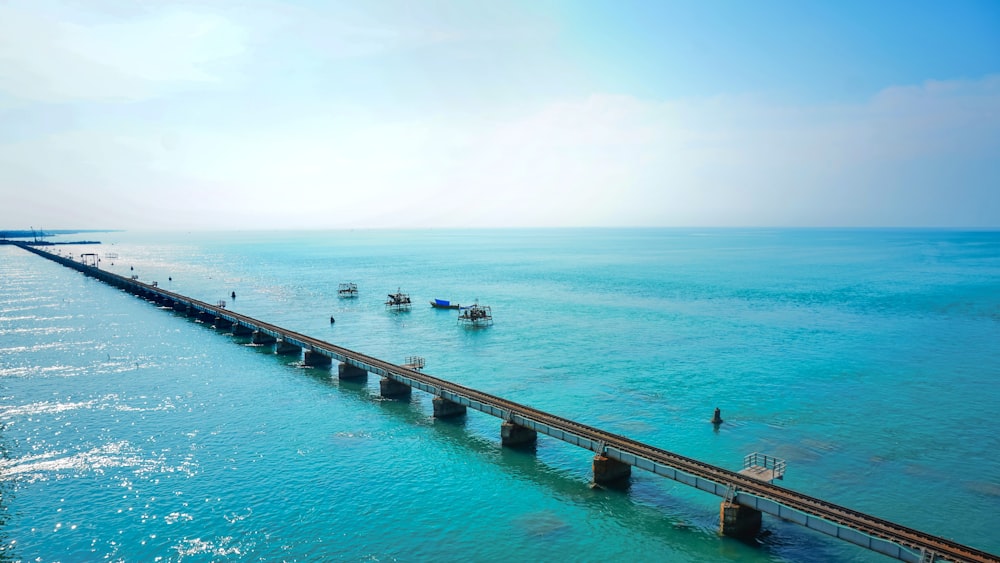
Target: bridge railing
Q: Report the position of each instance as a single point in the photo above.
(757, 459)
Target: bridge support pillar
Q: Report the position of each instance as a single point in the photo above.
(348, 371)
(315, 359)
(222, 324)
(262, 338)
(207, 318)
(443, 408)
(513, 435)
(738, 521)
(241, 330)
(609, 471)
(392, 388)
(283, 348)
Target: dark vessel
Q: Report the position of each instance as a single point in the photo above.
(476, 316)
(349, 289)
(398, 301)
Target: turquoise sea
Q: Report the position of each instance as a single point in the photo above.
(868, 359)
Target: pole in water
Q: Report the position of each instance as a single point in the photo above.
(717, 417)
(233, 295)
(331, 320)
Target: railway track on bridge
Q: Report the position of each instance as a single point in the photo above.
(926, 546)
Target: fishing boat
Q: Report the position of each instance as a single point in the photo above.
(349, 289)
(398, 301)
(476, 316)
(443, 304)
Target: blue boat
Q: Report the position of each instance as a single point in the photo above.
(444, 304)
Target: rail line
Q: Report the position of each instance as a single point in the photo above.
(850, 525)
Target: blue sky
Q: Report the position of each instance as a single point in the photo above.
(266, 114)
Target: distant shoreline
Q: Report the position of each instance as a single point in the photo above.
(47, 243)
(38, 233)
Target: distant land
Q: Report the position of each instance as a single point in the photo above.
(38, 233)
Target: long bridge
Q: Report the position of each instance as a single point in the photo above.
(744, 498)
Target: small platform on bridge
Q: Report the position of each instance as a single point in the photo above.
(414, 362)
(763, 467)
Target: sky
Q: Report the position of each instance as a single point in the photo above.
(267, 114)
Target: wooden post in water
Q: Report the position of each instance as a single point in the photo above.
(717, 417)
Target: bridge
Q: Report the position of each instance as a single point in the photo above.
(744, 497)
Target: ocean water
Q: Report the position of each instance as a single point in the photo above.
(868, 359)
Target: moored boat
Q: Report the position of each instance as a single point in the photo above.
(444, 304)
(349, 289)
(398, 301)
(476, 316)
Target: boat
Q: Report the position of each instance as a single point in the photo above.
(398, 301)
(349, 289)
(477, 315)
(443, 304)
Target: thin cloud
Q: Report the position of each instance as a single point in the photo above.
(276, 114)
(601, 160)
(57, 59)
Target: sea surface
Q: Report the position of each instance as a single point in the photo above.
(868, 359)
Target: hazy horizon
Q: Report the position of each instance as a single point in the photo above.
(270, 115)
(47, 233)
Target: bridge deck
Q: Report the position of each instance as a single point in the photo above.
(868, 531)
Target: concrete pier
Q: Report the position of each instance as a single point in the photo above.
(513, 435)
(259, 337)
(283, 348)
(241, 330)
(738, 521)
(222, 324)
(390, 388)
(443, 408)
(315, 359)
(348, 371)
(609, 471)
